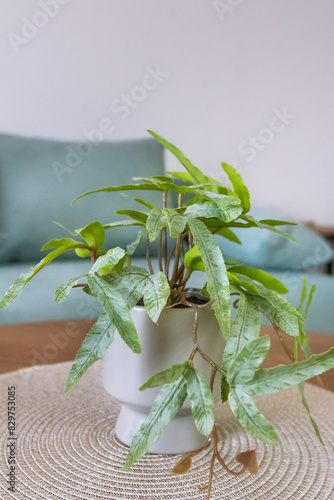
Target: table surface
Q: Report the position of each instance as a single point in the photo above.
(27, 344)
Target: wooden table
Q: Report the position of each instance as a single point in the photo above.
(46, 342)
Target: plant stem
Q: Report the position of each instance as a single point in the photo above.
(164, 231)
(178, 243)
(160, 251)
(148, 258)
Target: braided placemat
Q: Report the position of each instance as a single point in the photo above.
(66, 447)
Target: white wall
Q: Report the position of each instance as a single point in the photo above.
(229, 74)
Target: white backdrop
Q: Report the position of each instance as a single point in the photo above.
(245, 82)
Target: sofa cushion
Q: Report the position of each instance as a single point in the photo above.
(39, 178)
(262, 248)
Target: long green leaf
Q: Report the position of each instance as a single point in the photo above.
(217, 280)
(118, 313)
(111, 258)
(238, 185)
(245, 328)
(227, 210)
(243, 366)
(166, 405)
(227, 233)
(64, 290)
(122, 223)
(269, 380)
(17, 286)
(195, 172)
(261, 225)
(193, 259)
(135, 282)
(94, 234)
(182, 176)
(93, 348)
(155, 292)
(124, 187)
(275, 222)
(281, 311)
(250, 417)
(176, 222)
(56, 243)
(262, 277)
(132, 247)
(134, 214)
(224, 389)
(168, 376)
(301, 387)
(156, 221)
(201, 400)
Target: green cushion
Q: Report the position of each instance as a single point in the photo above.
(39, 178)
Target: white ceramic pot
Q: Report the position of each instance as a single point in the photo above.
(169, 342)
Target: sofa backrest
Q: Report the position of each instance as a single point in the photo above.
(39, 178)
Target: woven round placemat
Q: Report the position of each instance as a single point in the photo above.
(67, 449)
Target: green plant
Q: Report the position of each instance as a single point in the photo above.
(212, 208)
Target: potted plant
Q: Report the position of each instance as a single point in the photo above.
(185, 338)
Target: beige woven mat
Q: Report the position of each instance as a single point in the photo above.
(67, 449)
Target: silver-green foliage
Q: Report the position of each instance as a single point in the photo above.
(211, 208)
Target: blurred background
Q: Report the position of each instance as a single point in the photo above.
(250, 83)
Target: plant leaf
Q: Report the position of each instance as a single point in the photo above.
(217, 281)
(274, 222)
(93, 348)
(281, 311)
(111, 258)
(242, 282)
(262, 277)
(195, 172)
(17, 286)
(238, 185)
(156, 221)
(122, 223)
(155, 292)
(139, 200)
(64, 290)
(168, 376)
(134, 214)
(132, 247)
(248, 459)
(182, 176)
(245, 328)
(94, 234)
(166, 405)
(250, 417)
(227, 233)
(224, 389)
(118, 313)
(56, 243)
(124, 187)
(288, 236)
(210, 209)
(176, 222)
(270, 380)
(244, 364)
(183, 465)
(201, 400)
(301, 387)
(193, 259)
(135, 282)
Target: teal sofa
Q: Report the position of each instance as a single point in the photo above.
(38, 180)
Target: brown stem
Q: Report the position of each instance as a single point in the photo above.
(148, 258)
(160, 251)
